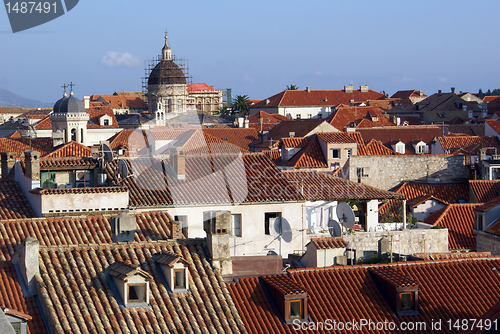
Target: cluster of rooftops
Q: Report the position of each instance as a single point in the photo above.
(88, 245)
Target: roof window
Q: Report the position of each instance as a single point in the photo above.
(175, 270)
(132, 283)
(290, 297)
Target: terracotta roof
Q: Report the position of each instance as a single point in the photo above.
(351, 116)
(407, 134)
(374, 147)
(200, 87)
(451, 255)
(468, 129)
(13, 203)
(447, 291)
(121, 101)
(215, 179)
(274, 155)
(335, 137)
(495, 124)
(293, 142)
(453, 142)
(66, 163)
(131, 139)
(406, 94)
(13, 302)
(484, 190)
(123, 270)
(310, 156)
(488, 205)
(317, 186)
(459, 220)
(17, 146)
(490, 98)
(70, 149)
(96, 112)
(393, 276)
(241, 137)
(445, 193)
(169, 259)
(89, 190)
(44, 124)
(329, 242)
(284, 284)
(81, 230)
(77, 276)
(301, 128)
(268, 120)
(494, 228)
(298, 98)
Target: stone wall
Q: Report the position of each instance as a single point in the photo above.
(487, 242)
(387, 172)
(404, 242)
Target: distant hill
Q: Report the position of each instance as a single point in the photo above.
(9, 99)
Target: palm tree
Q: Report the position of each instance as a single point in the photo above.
(292, 87)
(240, 103)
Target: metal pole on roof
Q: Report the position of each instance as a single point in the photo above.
(404, 214)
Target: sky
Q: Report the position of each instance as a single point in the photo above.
(257, 47)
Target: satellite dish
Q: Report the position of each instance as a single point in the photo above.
(106, 153)
(334, 228)
(345, 215)
(123, 168)
(272, 253)
(286, 230)
(275, 226)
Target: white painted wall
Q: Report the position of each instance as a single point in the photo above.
(314, 111)
(84, 202)
(253, 240)
(424, 209)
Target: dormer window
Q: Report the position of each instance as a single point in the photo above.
(290, 297)
(105, 120)
(132, 283)
(400, 147)
(400, 290)
(175, 270)
(18, 320)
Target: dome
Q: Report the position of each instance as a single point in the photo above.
(166, 72)
(69, 105)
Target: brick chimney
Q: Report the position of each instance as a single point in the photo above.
(348, 89)
(8, 161)
(178, 162)
(26, 257)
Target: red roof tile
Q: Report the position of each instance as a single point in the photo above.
(484, 190)
(13, 203)
(240, 137)
(453, 142)
(447, 291)
(329, 242)
(215, 179)
(488, 205)
(80, 230)
(352, 116)
(71, 149)
(459, 220)
(298, 98)
(310, 156)
(44, 124)
(335, 137)
(14, 303)
(406, 94)
(374, 147)
(317, 186)
(121, 101)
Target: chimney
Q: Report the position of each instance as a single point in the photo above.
(453, 90)
(351, 102)
(308, 89)
(8, 160)
(263, 136)
(241, 121)
(247, 123)
(268, 101)
(421, 93)
(86, 102)
(348, 89)
(123, 227)
(26, 258)
(178, 162)
(398, 121)
(217, 225)
(57, 138)
(291, 134)
(439, 91)
(363, 89)
(32, 162)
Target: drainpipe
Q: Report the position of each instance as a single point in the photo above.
(404, 214)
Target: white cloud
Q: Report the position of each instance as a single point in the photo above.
(442, 79)
(114, 58)
(248, 78)
(404, 79)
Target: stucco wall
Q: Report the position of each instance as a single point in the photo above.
(387, 172)
(94, 201)
(487, 242)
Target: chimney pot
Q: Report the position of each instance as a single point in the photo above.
(453, 90)
(8, 159)
(308, 89)
(178, 162)
(26, 257)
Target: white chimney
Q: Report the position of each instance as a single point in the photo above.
(26, 258)
(86, 102)
(247, 123)
(308, 89)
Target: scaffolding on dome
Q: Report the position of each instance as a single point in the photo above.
(149, 65)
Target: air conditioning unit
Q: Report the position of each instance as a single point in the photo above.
(61, 186)
(69, 185)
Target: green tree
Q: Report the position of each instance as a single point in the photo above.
(241, 104)
(292, 87)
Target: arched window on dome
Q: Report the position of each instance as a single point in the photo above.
(73, 134)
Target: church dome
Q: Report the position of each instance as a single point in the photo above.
(69, 105)
(166, 72)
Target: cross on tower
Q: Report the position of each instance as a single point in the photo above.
(64, 86)
(71, 85)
